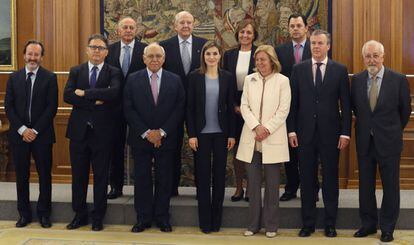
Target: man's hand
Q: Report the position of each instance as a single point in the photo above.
(261, 133)
(154, 136)
(29, 135)
(157, 144)
(99, 102)
(343, 143)
(237, 110)
(293, 141)
(193, 143)
(230, 143)
(80, 92)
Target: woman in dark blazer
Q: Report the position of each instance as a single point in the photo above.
(240, 62)
(210, 126)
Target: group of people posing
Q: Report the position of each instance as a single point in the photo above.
(289, 105)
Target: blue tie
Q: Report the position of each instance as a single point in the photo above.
(318, 77)
(92, 81)
(126, 61)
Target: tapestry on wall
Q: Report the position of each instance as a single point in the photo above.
(213, 20)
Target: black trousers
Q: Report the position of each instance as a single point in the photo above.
(308, 156)
(176, 172)
(95, 151)
(116, 178)
(211, 160)
(152, 203)
(389, 168)
(42, 154)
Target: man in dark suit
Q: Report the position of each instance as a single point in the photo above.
(319, 129)
(289, 54)
(182, 55)
(92, 88)
(125, 54)
(382, 106)
(154, 105)
(31, 104)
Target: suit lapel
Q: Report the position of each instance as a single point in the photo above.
(84, 76)
(178, 53)
(309, 75)
(134, 56)
(22, 82)
(290, 53)
(146, 87)
(364, 88)
(195, 52)
(306, 51)
(163, 87)
(383, 89)
(102, 75)
(37, 83)
(117, 54)
(221, 87)
(251, 64)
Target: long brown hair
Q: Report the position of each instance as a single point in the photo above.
(207, 45)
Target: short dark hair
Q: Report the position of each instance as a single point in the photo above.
(242, 24)
(99, 37)
(294, 16)
(32, 41)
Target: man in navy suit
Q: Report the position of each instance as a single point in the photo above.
(319, 124)
(125, 54)
(31, 104)
(290, 53)
(154, 106)
(92, 88)
(382, 107)
(182, 55)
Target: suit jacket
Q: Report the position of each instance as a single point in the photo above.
(313, 109)
(84, 108)
(142, 114)
(389, 117)
(276, 102)
(44, 105)
(230, 63)
(285, 54)
(173, 62)
(196, 98)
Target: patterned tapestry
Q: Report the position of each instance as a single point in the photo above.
(213, 19)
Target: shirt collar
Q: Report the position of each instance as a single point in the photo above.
(267, 77)
(189, 39)
(379, 75)
(325, 61)
(90, 65)
(131, 44)
(302, 44)
(34, 71)
(159, 72)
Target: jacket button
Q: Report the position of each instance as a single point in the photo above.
(314, 116)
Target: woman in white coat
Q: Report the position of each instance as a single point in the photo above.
(263, 143)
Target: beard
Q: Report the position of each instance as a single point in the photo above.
(372, 69)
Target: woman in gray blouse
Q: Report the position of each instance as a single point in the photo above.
(211, 132)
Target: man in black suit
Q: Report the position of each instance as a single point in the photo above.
(319, 129)
(154, 106)
(289, 54)
(182, 55)
(125, 54)
(31, 104)
(92, 88)
(382, 106)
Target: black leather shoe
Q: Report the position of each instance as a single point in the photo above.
(45, 222)
(246, 199)
(77, 222)
(97, 225)
(287, 196)
(164, 226)
(235, 198)
(174, 193)
(330, 231)
(114, 194)
(205, 230)
(386, 236)
(140, 227)
(363, 232)
(23, 221)
(306, 231)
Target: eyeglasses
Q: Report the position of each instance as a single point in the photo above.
(154, 56)
(95, 47)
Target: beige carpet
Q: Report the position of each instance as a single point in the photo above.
(120, 234)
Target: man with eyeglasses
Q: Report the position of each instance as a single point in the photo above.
(382, 107)
(153, 105)
(92, 88)
(125, 54)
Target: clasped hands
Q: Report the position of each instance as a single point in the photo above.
(81, 93)
(154, 136)
(261, 133)
(29, 135)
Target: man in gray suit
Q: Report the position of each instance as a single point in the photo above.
(382, 106)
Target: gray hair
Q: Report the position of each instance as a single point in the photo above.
(318, 32)
(124, 18)
(156, 45)
(374, 43)
(180, 14)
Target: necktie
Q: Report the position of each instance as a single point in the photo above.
(185, 57)
(318, 76)
(29, 95)
(126, 60)
(92, 80)
(154, 87)
(373, 93)
(297, 53)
